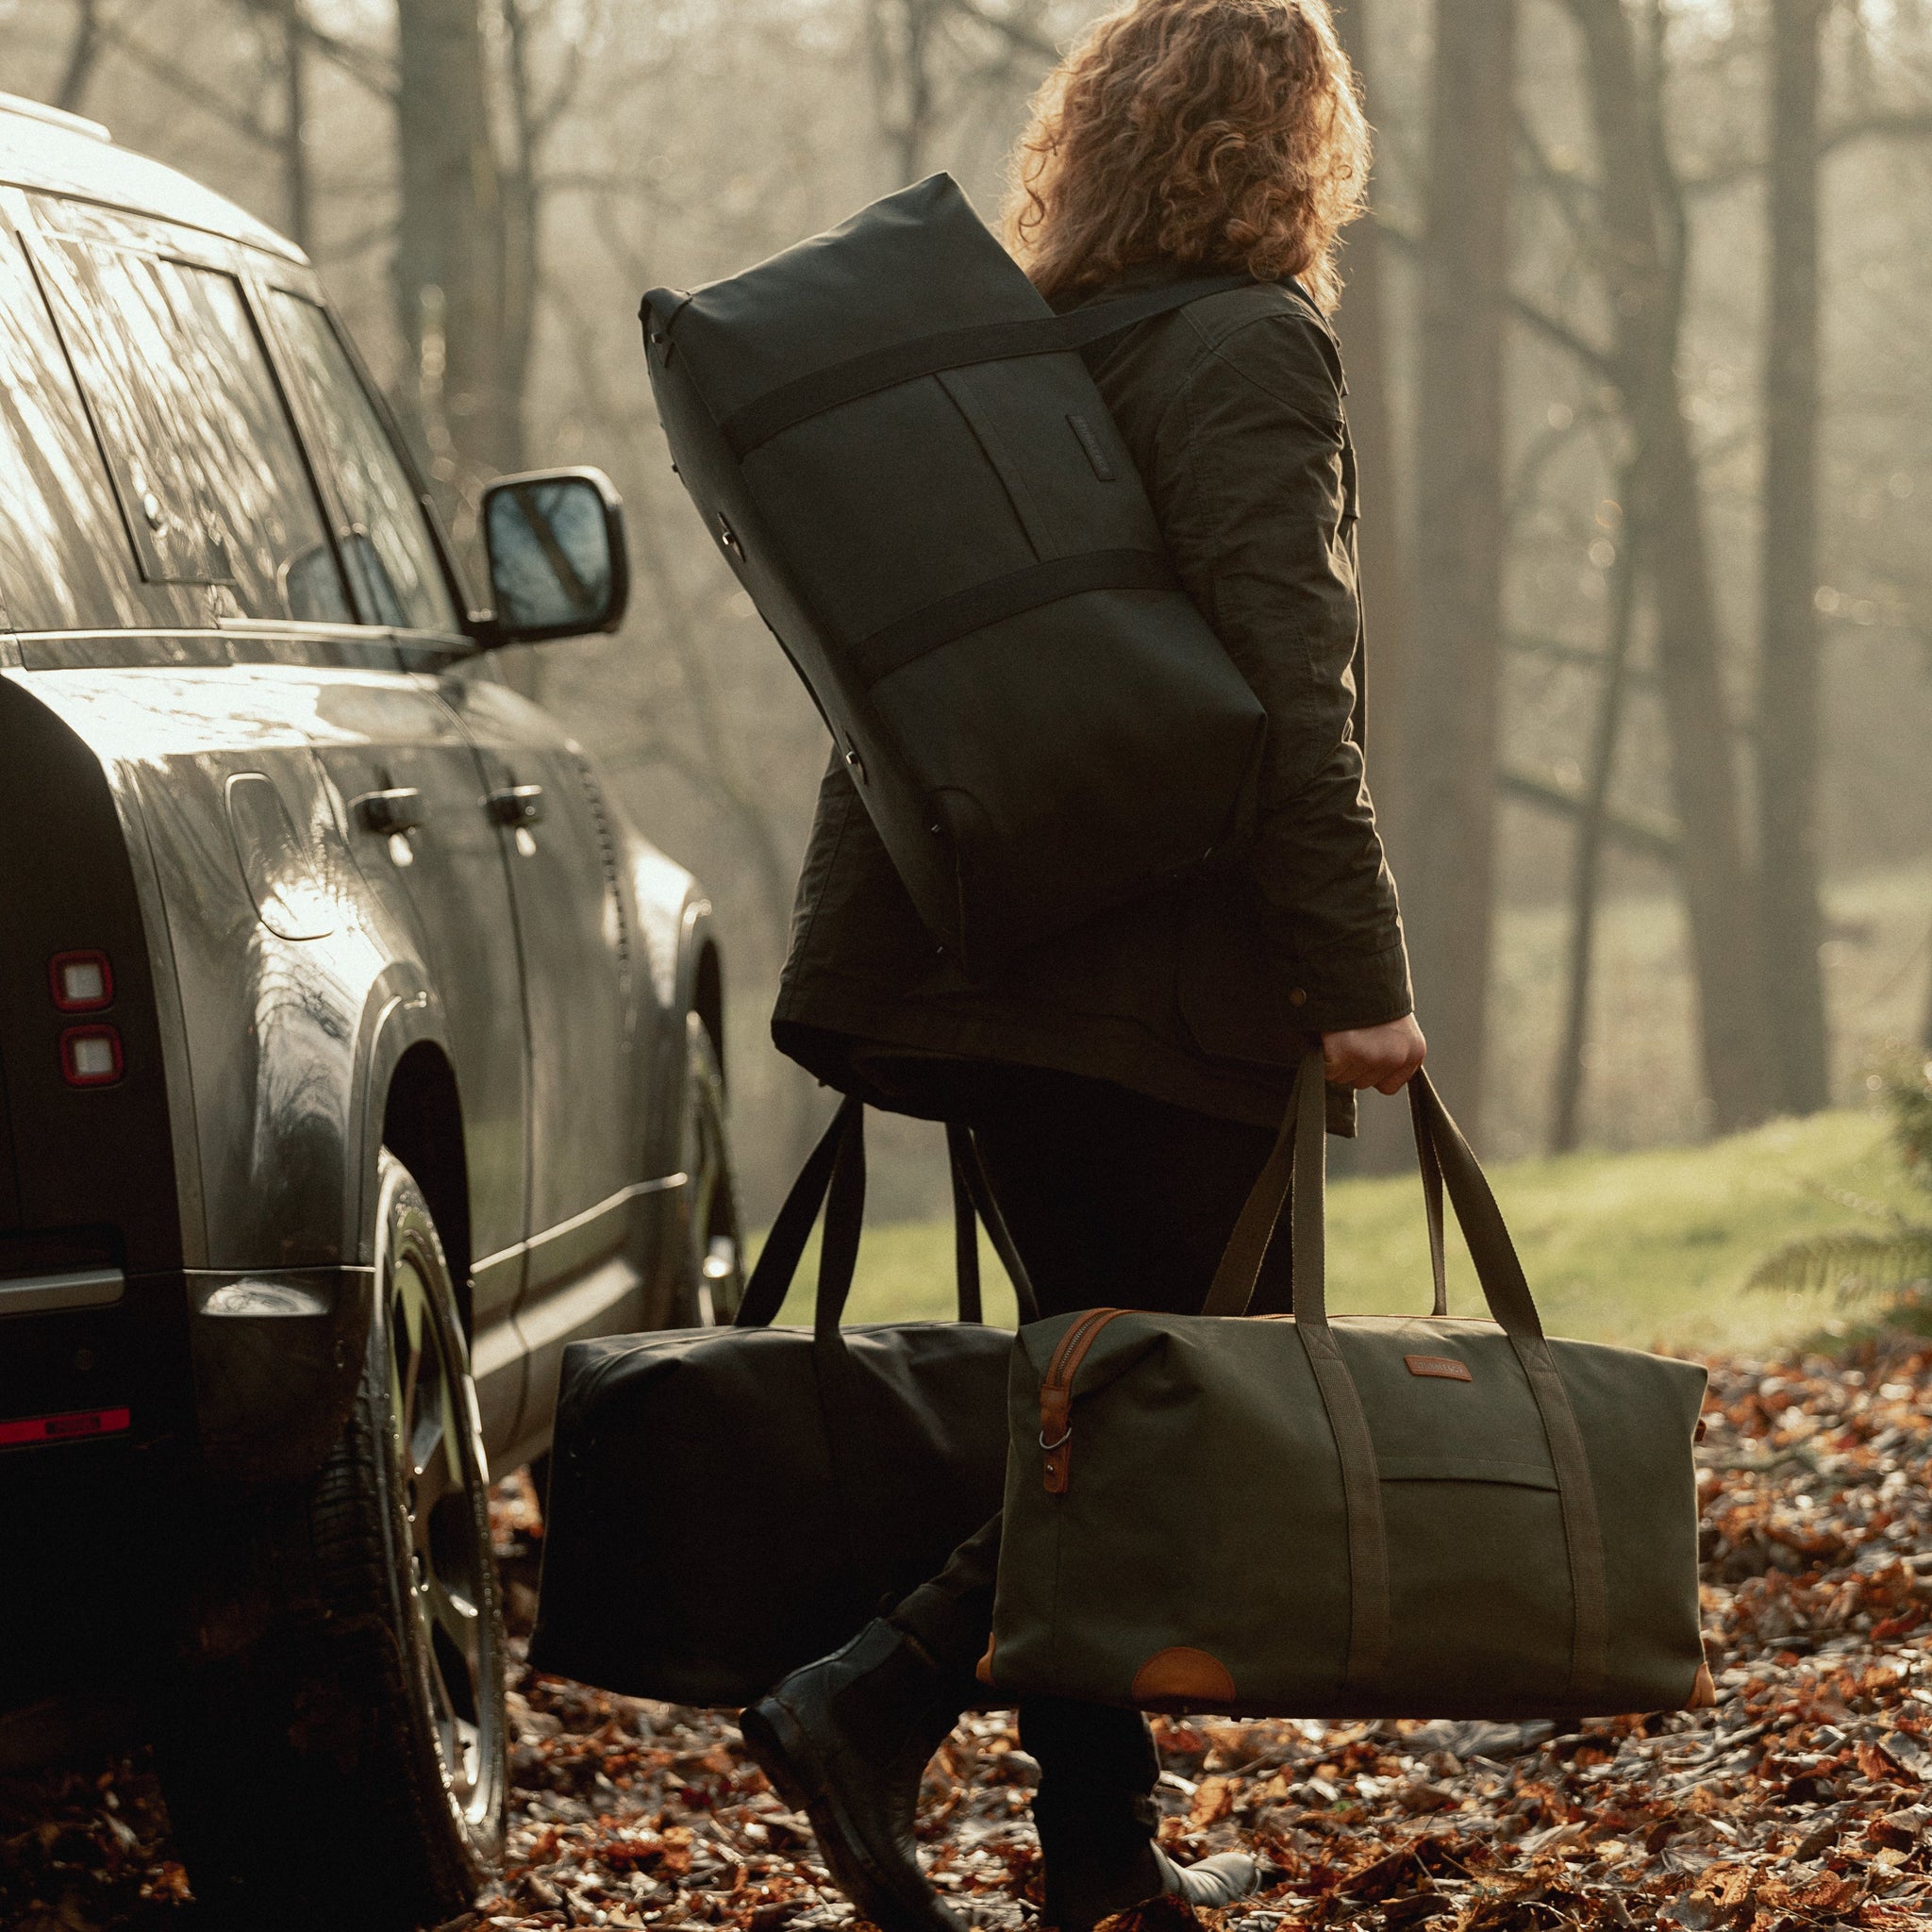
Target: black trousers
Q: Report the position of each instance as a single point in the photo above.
(1116, 1200)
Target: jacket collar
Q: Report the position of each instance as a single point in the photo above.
(1149, 275)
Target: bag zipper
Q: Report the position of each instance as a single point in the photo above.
(1056, 1396)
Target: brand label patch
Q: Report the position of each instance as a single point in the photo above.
(1446, 1366)
(1096, 453)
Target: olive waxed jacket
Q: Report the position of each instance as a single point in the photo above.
(1207, 992)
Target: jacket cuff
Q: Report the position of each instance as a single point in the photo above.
(1338, 991)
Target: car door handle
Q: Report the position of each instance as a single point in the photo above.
(516, 804)
(398, 809)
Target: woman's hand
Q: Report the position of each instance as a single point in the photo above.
(1380, 1056)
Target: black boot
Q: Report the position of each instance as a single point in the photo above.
(846, 1742)
(1098, 1821)
(1098, 1866)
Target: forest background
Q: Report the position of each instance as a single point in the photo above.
(1638, 361)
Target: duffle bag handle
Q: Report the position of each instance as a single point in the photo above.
(1296, 1173)
(833, 1180)
(1299, 1161)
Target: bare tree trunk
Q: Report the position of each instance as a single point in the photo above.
(1787, 702)
(1925, 1021)
(712, 756)
(522, 223)
(902, 34)
(83, 55)
(449, 254)
(1454, 684)
(1363, 323)
(296, 196)
(1383, 1145)
(1646, 289)
(1591, 829)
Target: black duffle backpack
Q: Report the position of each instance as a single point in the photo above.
(896, 445)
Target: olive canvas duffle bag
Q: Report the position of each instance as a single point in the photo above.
(727, 1504)
(1361, 1516)
(894, 442)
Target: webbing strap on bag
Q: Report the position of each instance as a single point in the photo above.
(1361, 1479)
(1501, 1271)
(1298, 1165)
(909, 638)
(791, 403)
(854, 1472)
(833, 1179)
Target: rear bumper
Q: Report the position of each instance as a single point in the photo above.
(244, 1378)
(91, 1362)
(200, 1407)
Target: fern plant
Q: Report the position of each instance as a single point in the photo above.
(1888, 1258)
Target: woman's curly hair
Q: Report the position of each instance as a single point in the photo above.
(1218, 134)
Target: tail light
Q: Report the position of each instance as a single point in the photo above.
(91, 1056)
(81, 982)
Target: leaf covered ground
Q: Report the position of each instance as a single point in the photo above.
(1804, 1799)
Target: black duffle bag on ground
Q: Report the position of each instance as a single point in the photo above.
(1362, 1516)
(894, 443)
(727, 1504)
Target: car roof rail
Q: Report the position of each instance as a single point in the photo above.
(55, 117)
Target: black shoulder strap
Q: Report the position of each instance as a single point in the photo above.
(791, 403)
(1104, 319)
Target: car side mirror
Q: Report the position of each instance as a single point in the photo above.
(557, 563)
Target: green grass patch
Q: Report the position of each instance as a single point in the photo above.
(1648, 1249)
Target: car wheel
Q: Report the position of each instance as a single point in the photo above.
(713, 1263)
(357, 1754)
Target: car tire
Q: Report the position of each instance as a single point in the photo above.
(353, 1761)
(712, 1261)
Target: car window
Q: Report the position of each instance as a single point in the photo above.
(392, 559)
(212, 485)
(63, 557)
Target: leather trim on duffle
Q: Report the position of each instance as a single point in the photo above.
(1448, 1367)
(1183, 1679)
(1056, 1396)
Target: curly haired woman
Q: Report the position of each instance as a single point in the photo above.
(1123, 1083)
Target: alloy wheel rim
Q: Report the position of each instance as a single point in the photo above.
(432, 1413)
(715, 1248)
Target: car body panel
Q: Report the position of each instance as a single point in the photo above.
(63, 158)
(284, 969)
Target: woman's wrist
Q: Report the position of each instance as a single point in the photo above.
(1384, 1056)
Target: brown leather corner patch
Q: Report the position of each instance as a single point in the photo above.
(983, 1668)
(1703, 1691)
(1182, 1678)
(1444, 1366)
